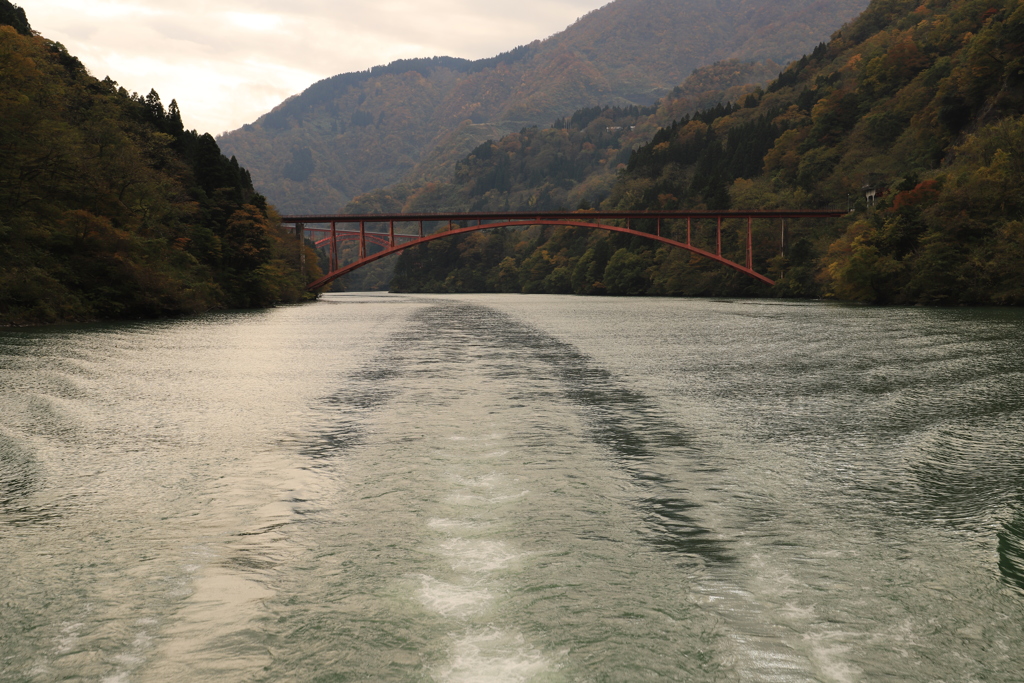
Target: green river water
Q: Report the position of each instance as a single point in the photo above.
(516, 488)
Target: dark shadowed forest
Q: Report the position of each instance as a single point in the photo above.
(109, 208)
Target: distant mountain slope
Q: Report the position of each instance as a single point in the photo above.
(357, 132)
(575, 161)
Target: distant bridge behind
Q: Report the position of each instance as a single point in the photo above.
(380, 235)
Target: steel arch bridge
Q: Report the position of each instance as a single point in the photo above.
(391, 234)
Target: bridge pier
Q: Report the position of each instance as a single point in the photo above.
(334, 246)
(300, 229)
(750, 243)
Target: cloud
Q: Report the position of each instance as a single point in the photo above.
(228, 62)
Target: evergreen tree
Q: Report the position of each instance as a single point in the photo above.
(12, 15)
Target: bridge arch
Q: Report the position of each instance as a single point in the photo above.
(397, 242)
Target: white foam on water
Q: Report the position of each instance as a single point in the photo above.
(493, 436)
(511, 496)
(756, 654)
(478, 499)
(494, 656)
(467, 499)
(40, 671)
(454, 524)
(450, 600)
(794, 612)
(128, 659)
(131, 659)
(488, 481)
(477, 556)
(829, 658)
(69, 634)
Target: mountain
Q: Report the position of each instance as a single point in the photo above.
(357, 132)
(109, 208)
(575, 161)
(911, 115)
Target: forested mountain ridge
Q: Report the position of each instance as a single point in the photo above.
(911, 114)
(110, 209)
(354, 133)
(575, 161)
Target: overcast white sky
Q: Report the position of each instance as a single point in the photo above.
(230, 61)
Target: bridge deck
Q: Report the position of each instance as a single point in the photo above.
(553, 215)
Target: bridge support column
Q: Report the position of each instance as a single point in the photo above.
(300, 228)
(334, 246)
(689, 224)
(362, 239)
(421, 229)
(718, 239)
(750, 243)
(782, 241)
(659, 227)
(391, 233)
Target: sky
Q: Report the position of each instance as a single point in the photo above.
(228, 62)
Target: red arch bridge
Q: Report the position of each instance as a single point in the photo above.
(392, 233)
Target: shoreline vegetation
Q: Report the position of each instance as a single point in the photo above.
(110, 209)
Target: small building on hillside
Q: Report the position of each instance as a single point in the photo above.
(874, 188)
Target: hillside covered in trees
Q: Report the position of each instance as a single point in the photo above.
(412, 119)
(109, 208)
(911, 114)
(575, 161)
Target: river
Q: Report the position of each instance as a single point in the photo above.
(516, 488)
